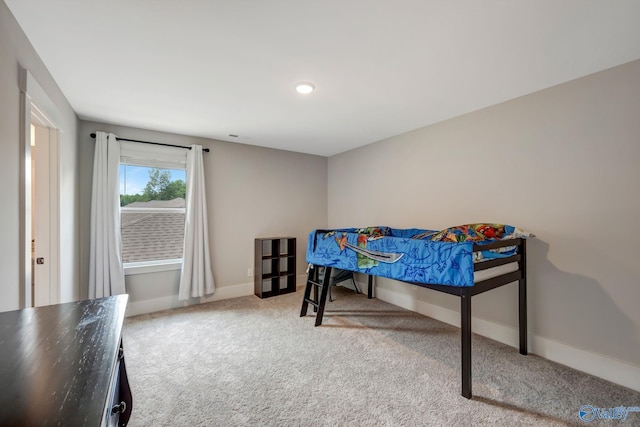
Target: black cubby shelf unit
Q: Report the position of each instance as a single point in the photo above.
(275, 266)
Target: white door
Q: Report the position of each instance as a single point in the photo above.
(45, 290)
(41, 259)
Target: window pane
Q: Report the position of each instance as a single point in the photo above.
(143, 184)
(148, 235)
(151, 236)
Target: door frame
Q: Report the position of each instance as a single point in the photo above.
(36, 106)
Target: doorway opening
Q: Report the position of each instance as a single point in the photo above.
(39, 225)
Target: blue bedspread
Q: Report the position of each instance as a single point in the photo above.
(402, 254)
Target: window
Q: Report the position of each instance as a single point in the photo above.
(152, 206)
(152, 210)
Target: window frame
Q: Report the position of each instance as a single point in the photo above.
(142, 267)
(157, 265)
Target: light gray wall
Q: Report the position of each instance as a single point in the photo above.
(16, 52)
(562, 163)
(251, 192)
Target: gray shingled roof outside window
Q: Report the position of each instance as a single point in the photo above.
(150, 236)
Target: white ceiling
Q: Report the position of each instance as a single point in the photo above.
(211, 68)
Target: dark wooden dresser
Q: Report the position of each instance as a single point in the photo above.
(63, 365)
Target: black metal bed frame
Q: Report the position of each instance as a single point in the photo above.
(465, 294)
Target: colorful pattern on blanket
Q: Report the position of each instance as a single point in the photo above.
(413, 255)
(364, 234)
(470, 232)
(415, 259)
(482, 233)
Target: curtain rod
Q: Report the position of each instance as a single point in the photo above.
(206, 150)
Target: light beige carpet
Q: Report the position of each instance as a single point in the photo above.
(255, 362)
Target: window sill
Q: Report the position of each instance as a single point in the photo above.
(143, 267)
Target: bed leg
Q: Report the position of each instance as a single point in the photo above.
(370, 289)
(522, 297)
(522, 311)
(465, 327)
(326, 283)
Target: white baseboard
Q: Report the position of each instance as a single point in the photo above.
(135, 308)
(595, 364)
(228, 292)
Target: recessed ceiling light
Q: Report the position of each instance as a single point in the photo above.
(305, 87)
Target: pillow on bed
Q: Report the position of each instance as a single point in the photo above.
(478, 232)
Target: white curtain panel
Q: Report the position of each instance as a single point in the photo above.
(196, 278)
(106, 274)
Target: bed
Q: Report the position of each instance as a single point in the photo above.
(464, 260)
